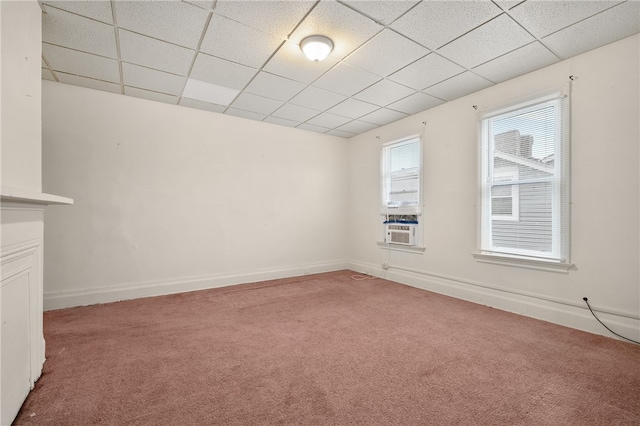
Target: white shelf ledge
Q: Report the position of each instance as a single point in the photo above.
(31, 197)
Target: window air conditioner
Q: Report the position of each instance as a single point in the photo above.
(401, 233)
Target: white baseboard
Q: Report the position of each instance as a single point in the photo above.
(91, 296)
(567, 313)
(574, 314)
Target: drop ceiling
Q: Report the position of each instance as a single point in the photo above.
(391, 58)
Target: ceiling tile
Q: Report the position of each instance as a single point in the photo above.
(340, 133)
(192, 103)
(47, 75)
(384, 12)
(290, 62)
(146, 78)
(526, 59)
(460, 85)
(295, 113)
(173, 21)
(357, 127)
(80, 63)
(223, 73)
(384, 92)
(208, 92)
(346, 80)
(254, 103)
(274, 87)
(315, 98)
(426, 72)
(89, 83)
(382, 116)
(152, 53)
(75, 32)
(353, 108)
(237, 42)
(347, 28)
(542, 18)
(387, 52)
(274, 17)
(435, 23)
(328, 120)
(487, 42)
(415, 103)
(245, 114)
(313, 128)
(98, 10)
(152, 96)
(507, 4)
(204, 4)
(613, 24)
(281, 121)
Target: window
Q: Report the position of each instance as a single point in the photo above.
(525, 180)
(505, 199)
(401, 175)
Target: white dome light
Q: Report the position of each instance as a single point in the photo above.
(316, 47)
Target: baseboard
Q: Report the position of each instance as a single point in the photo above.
(92, 296)
(562, 312)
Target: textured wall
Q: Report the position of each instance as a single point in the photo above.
(169, 198)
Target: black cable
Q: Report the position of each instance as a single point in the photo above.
(604, 325)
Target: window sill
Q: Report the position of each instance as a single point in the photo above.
(401, 247)
(521, 262)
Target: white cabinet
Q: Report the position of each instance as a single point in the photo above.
(22, 357)
(22, 348)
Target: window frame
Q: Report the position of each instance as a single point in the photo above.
(385, 180)
(560, 236)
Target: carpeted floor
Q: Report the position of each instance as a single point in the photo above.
(326, 349)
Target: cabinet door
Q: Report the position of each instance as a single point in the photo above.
(16, 345)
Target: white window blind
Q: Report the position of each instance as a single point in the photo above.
(525, 180)
(401, 175)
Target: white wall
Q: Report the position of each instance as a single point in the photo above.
(605, 199)
(20, 132)
(170, 199)
(22, 348)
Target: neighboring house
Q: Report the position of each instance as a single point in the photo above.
(525, 205)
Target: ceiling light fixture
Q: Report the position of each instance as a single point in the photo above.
(316, 47)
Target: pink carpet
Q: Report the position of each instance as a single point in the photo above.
(326, 350)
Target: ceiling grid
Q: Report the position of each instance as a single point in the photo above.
(390, 58)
